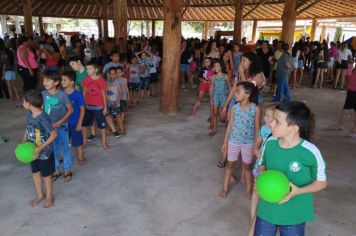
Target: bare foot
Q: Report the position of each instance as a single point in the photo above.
(49, 203)
(233, 180)
(105, 146)
(223, 193)
(35, 201)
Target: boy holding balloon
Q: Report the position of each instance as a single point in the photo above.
(40, 132)
(290, 153)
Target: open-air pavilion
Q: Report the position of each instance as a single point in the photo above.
(162, 179)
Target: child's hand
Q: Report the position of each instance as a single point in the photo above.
(224, 111)
(57, 125)
(294, 191)
(105, 111)
(257, 153)
(78, 127)
(223, 147)
(38, 150)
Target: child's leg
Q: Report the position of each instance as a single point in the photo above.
(81, 154)
(322, 77)
(103, 139)
(119, 123)
(17, 96)
(227, 178)
(110, 123)
(197, 103)
(9, 88)
(317, 77)
(247, 157)
(38, 188)
(85, 135)
(342, 79)
(338, 73)
(93, 129)
(49, 191)
(214, 121)
(254, 202)
(122, 122)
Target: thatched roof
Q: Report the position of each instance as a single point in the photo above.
(197, 10)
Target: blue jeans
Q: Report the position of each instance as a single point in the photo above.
(264, 228)
(61, 143)
(282, 87)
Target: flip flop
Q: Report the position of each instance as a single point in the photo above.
(221, 164)
(68, 177)
(55, 177)
(82, 162)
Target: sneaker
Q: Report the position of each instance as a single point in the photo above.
(117, 134)
(91, 138)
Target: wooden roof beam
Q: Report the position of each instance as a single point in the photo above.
(254, 8)
(307, 7)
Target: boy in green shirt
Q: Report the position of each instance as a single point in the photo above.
(289, 151)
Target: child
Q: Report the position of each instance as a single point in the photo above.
(40, 131)
(76, 119)
(134, 79)
(125, 98)
(95, 101)
(144, 76)
(219, 91)
(241, 134)
(264, 133)
(115, 61)
(58, 107)
(204, 87)
(290, 152)
(10, 74)
(114, 95)
(80, 72)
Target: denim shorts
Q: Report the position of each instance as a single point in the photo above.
(10, 75)
(98, 115)
(76, 137)
(144, 83)
(300, 64)
(265, 228)
(184, 67)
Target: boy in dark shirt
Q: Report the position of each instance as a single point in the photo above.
(40, 131)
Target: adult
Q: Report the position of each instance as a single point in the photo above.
(80, 71)
(321, 65)
(213, 51)
(186, 57)
(282, 74)
(27, 64)
(296, 51)
(265, 55)
(344, 54)
(331, 62)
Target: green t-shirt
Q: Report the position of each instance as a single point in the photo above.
(80, 77)
(302, 164)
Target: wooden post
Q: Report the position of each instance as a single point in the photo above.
(27, 12)
(289, 18)
(58, 28)
(120, 26)
(323, 31)
(104, 16)
(254, 29)
(239, 5)
(313, 29)
(153, 34)
(171, 57)
(206, 30)
(40, 23)
(45, 27)
(100, 29)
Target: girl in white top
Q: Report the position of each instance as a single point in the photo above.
(343, 56)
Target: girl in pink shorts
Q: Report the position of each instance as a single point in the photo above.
(241, 134)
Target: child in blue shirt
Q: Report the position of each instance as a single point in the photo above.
(76, 119)
(59, 109)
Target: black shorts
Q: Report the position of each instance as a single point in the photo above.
(274, 79)
(134, 86)
(350, 102)
(154, 78)
(45, 167)
(343, 65)
(113, 111)
(322, 65)
(123, 105)
(98, 115)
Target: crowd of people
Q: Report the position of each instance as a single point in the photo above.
(90, 84)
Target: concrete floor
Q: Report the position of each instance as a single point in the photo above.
(162, 179)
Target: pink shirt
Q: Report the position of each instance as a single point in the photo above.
(333, 51)
(352, 83)
(30, 58)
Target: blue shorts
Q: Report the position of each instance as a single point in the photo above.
(265, 228)
(123, 106)
(113, 111)
(300, 64)
(10, 75)
(76, 137)
(184, 67)
(97, 114)
(144, 83)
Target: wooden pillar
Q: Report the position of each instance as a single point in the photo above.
(153, 33)
(323, 31)
(313, 29)
(171, 55)
(58, 28)
(289, 18)
(254, 29)
(40, 23)
(206, 30)
(104, 16)
(239, 5)
(45, 27)
(27, 12)
(100, 29)
(120, 26)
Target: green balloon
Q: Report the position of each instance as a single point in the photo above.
(272, 186)
(25, 152)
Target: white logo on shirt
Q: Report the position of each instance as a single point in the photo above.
(295, 166)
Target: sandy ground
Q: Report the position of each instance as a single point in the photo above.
(162, 179)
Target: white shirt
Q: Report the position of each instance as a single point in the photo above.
(344, 55)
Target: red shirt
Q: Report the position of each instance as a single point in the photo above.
(352, 83)
(93, 91)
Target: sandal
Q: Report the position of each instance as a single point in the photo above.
(82, 162)
(221, 164)
(68, 177)
(55, 177)
(212, 133)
